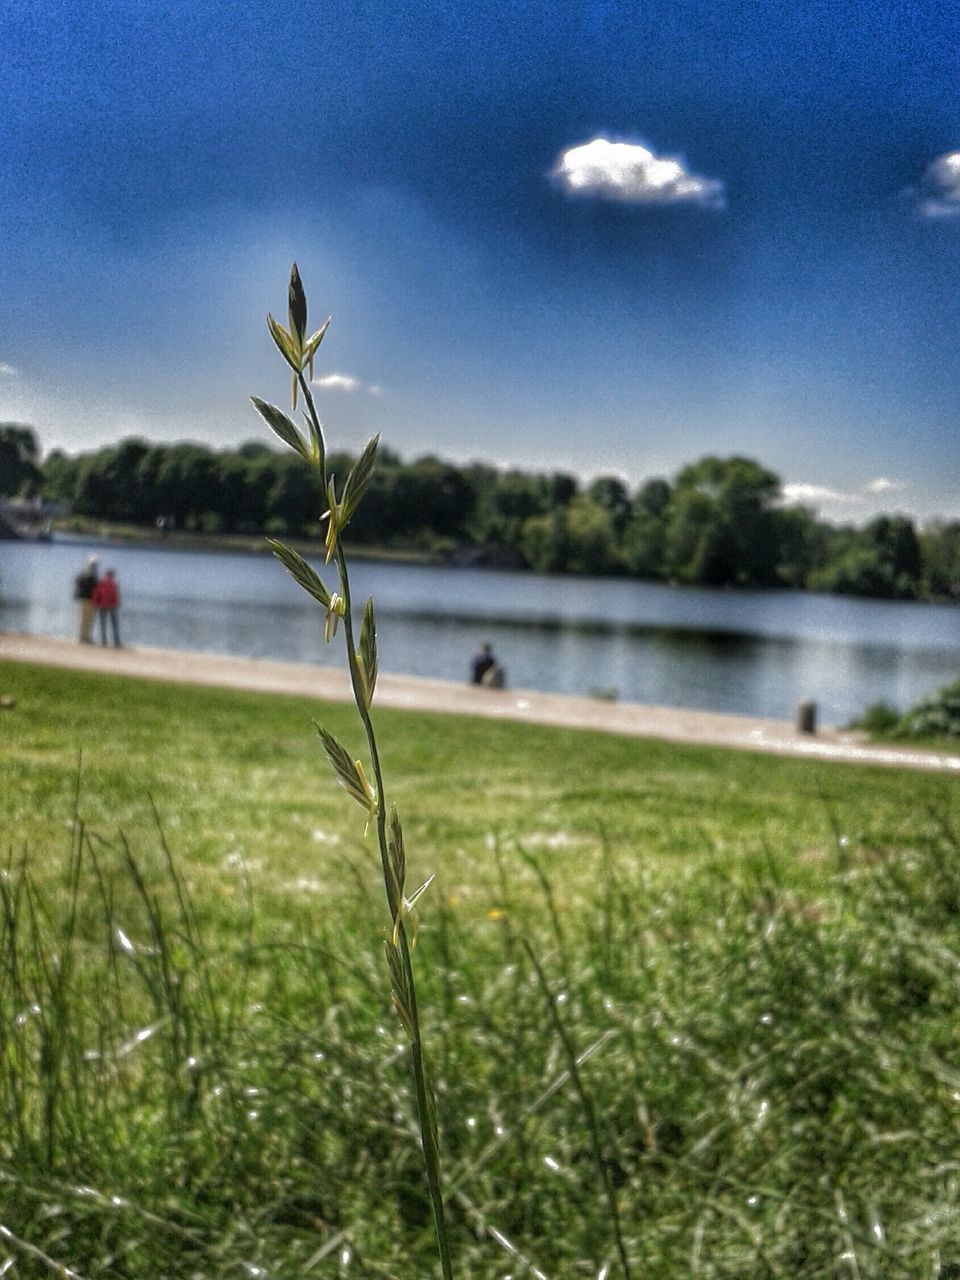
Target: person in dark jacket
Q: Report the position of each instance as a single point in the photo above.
(482, 663)
(487, 671)
(83, 589)
(106, 598)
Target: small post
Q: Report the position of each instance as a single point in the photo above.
(807, 716)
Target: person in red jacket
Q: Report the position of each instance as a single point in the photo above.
(106, 598)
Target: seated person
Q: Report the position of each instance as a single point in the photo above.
(482, 663)
(494, 677)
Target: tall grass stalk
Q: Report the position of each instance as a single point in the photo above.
(298, 350)
(586, 1102)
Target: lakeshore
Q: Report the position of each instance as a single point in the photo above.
(728, 652)
(416, 693)
(105, 535)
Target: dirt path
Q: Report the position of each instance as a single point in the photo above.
(413, 693)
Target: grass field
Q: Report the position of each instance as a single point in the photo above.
(753, 961)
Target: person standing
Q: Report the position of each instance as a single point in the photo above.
(83, 589)
(106, 598)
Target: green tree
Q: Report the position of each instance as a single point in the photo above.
(560, 489)
(19, 460)
(721, 527)
(148, 480)
(231, 502)
(644, 541)
(436, 498)
(690, 517)
(544, 542)
(122, 477)
(179, 481)
(883, 559)
(644, 547)
(590, 539)
(260, 476)
(940, 554)
(896, 539)
(612, 495)
(59, 477)
(92, 494)
(253, 449)
(376, 521)
(292, 499)
(860, 571)
(518, 496)
(801, 544)
(652, 498)
(578, 538)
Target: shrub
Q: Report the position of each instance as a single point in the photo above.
(879, 718)
(937, 716)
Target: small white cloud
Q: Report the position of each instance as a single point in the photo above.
(629, 173)
(8, 371)
(883, 485)
(939, 194)
(817, 493)
(337, 382)
(344, 382)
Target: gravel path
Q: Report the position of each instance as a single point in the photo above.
(413, 693)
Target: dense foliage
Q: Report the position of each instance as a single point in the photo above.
(718, 522)
(19, 460)
(935, 716)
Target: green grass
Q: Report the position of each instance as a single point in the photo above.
(241, 776)
(760, 953)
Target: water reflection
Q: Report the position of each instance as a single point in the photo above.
(751, 652)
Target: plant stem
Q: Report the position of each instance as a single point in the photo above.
(431, 1156)
(590, 1115)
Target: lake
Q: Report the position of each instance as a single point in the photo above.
(757, 653)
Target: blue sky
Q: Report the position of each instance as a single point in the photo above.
(603, 237)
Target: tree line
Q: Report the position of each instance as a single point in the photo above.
(717, 522)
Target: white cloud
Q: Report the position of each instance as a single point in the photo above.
(337, 382)
(8, 371)
(817, 493)
(939, 194)
(883, 485)
(632, 174)
(344, 382)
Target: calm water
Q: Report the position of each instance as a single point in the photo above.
(753, 652)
